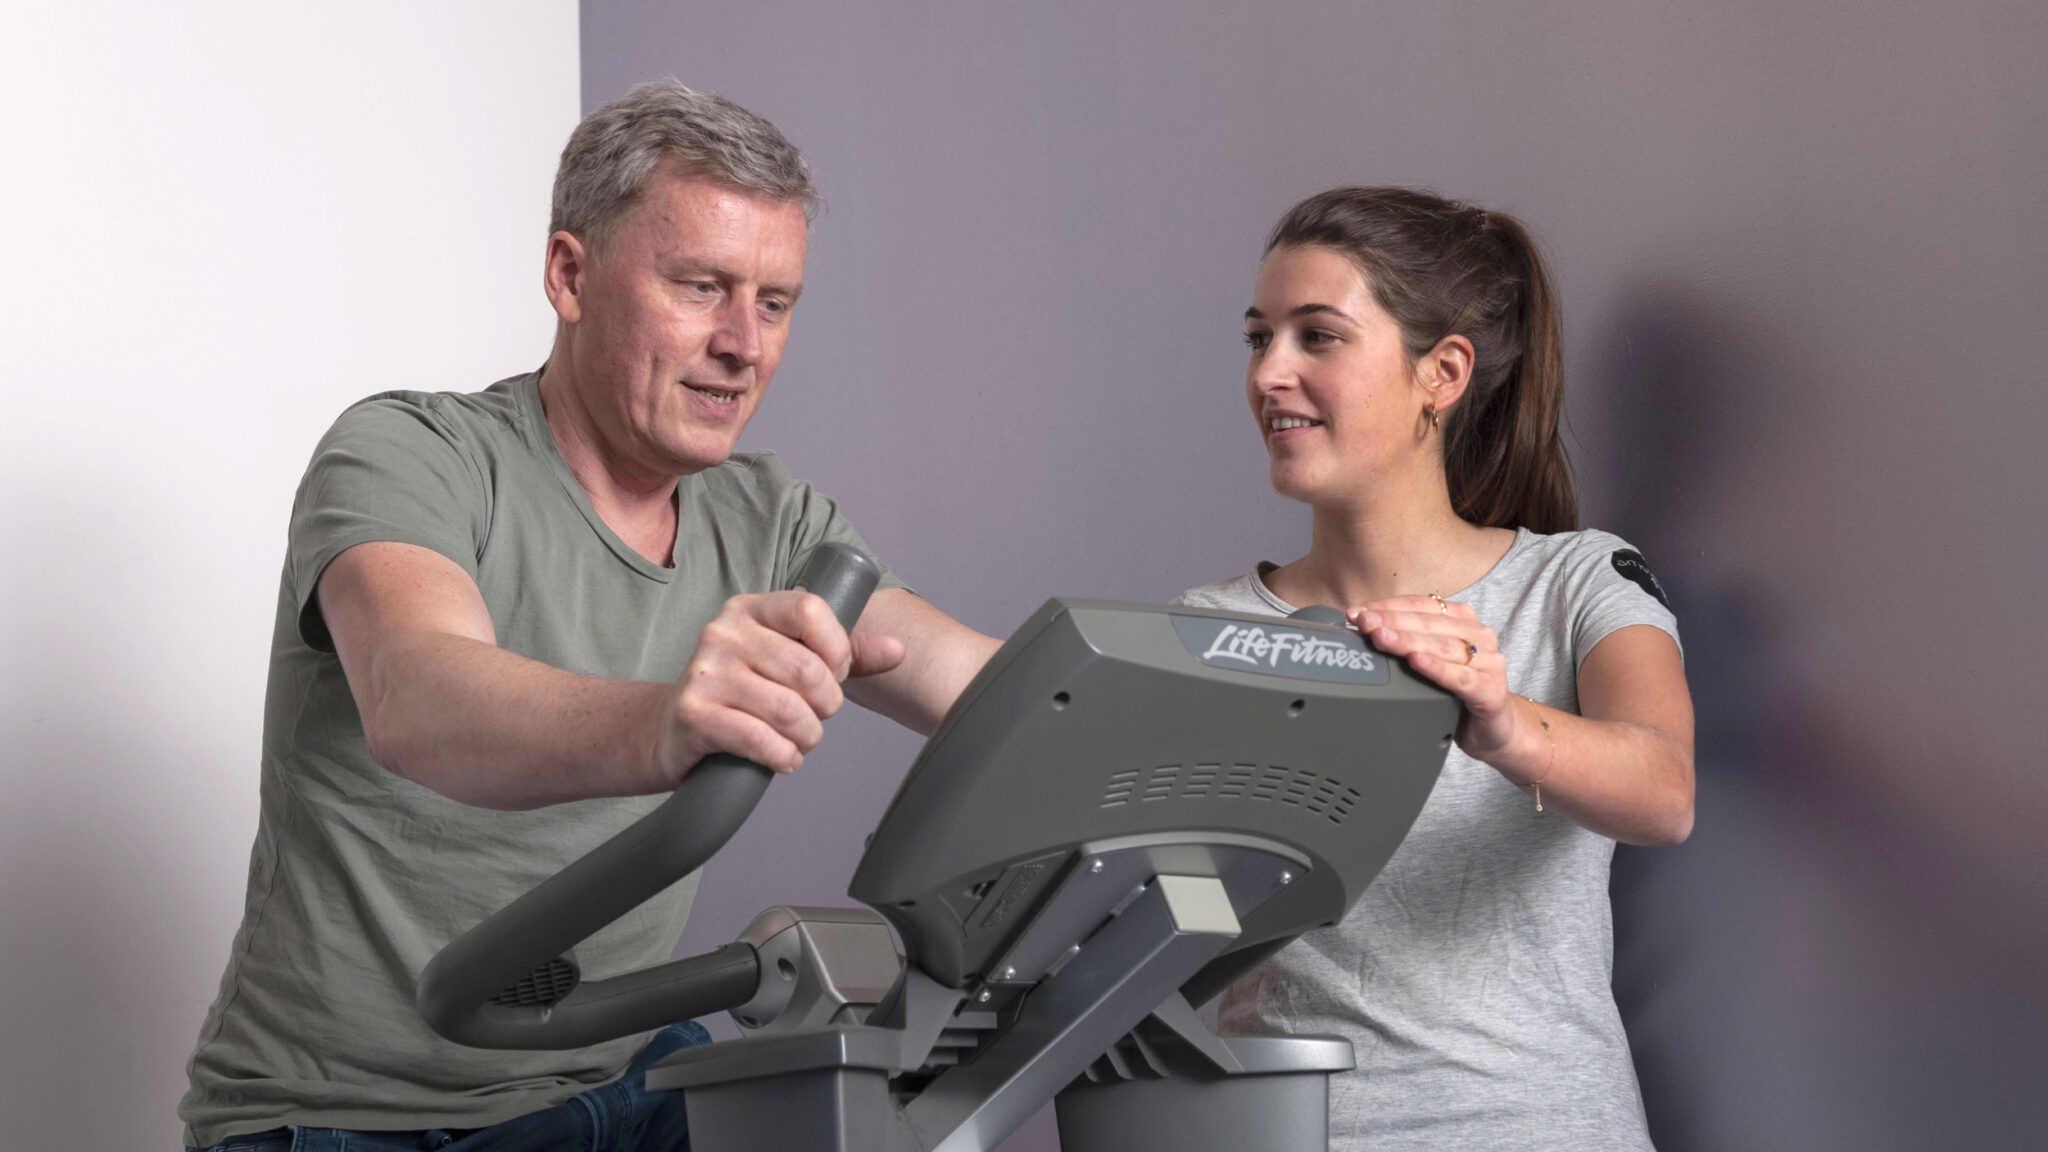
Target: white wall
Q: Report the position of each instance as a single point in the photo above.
(223, 222)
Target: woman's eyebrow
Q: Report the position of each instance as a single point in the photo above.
(1301, 310)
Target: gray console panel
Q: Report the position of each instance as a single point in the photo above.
(1098, 721)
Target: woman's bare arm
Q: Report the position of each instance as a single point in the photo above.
(1622, 768)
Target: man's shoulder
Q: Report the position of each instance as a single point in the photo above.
(457, 414)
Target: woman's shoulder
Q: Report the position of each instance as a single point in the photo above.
(1240, 594)
(1587, 584)
(1583, 553)
(1568, 547)
(1594, 557)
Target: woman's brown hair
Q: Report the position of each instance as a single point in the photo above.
(1440, 268)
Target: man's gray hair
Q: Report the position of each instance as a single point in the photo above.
(616, 149)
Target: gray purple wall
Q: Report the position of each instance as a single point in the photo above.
(1802, 269)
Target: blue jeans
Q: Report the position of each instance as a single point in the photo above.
(622, 1116)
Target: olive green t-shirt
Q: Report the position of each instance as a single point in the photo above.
(359, 876)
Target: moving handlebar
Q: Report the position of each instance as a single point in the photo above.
(509, 982)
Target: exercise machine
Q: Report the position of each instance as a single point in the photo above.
(1131, 806)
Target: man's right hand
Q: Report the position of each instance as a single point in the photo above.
(765, 676)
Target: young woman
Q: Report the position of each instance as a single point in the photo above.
(1406, 378)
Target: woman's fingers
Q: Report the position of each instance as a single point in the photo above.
(1444, 643)
(1461, 675)
(1456, 638)
(1451, 649)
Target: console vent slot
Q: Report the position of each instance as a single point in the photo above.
(1325, 796)
(1120, 786)
(1235, 781)
(1160, 786)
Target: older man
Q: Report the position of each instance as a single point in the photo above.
(509, 620)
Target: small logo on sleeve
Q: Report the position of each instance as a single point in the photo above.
(1630, 564)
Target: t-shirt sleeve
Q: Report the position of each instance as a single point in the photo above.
(807, 518)
(1611, 588)
(388, 470)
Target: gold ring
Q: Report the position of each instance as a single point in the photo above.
(1471, 650)
(1442, 605)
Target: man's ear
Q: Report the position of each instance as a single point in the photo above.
(562, 275)
(1445, 371)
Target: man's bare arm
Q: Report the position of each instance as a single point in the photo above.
(445, 707)
(941, 655)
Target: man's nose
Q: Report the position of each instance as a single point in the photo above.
(737, 339)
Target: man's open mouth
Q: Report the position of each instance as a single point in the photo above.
(715, 395)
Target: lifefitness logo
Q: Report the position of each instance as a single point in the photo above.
(1305, 655)
(1253, 646)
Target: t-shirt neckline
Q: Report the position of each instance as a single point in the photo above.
(543, 436)
(1273, 601)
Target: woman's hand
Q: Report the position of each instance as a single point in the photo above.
(1444, 642)
(1622, 769)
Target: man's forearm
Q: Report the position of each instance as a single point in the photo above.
(489, 727)
(445, 707)
(942, 656)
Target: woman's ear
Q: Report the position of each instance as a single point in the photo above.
(1446, 370)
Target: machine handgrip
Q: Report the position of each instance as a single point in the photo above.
(500, 984)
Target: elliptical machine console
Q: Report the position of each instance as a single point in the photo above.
(1128, 808)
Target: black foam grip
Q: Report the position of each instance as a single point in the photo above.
(457, 988)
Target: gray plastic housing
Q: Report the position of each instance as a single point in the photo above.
(1098, 721)
(1112, 821)
(819, 966)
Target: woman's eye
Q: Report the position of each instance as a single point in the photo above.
(1255, 340)
(1316, 336)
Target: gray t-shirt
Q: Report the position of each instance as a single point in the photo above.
(359, 876)
(1475, 975)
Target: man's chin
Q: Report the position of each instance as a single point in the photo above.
(698, 454)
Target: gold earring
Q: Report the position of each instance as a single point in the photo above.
(1429, 410)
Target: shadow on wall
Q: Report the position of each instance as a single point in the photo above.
(1815, 968)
